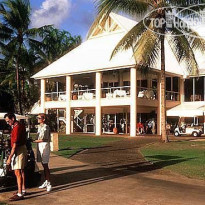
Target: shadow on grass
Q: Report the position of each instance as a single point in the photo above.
(70, 180)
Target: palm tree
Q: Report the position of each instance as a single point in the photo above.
(148, 42)
(15, 35)
(54, 44)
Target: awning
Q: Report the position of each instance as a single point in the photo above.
(187, 109)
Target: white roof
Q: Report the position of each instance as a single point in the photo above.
(94, 55)
(18, 117)
(188, 109)
(36, 109)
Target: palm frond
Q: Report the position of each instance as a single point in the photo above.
(38, 31)
(147, 49)
(133, 35)
(130, 38)
(196, 41)
(186, 7)
(182, 50)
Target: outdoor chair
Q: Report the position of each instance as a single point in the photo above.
(119, 93)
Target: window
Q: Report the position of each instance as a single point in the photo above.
(126, 83)
(154, 83)
(105, 84)
(176, 84)
(172, 88)
(199, 89)
(144, 83)
(198, 93)
(113, 84)
(188, 89)
(169, 84)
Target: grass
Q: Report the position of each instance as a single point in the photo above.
(70, 145)
(186, 157)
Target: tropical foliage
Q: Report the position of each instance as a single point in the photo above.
(25, 50)
(148, 41)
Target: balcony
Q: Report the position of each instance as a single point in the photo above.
(116, 92)
(83, 94)
(172, 96)
(55, 96)
(147, 93)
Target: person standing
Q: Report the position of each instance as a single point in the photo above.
(43, 149)
(18, 155)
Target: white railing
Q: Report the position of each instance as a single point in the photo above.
(172, 96)
(115, 92)
(87, 94)
(55, 96)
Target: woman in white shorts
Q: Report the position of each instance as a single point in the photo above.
(43, 149)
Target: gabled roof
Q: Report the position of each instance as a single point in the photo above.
(94, 55)
(115, 23)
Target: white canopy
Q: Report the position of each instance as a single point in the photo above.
(18, 117)
(187, 109)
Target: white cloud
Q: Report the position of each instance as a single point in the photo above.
(51, 12)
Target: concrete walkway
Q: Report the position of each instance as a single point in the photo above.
(115, 174)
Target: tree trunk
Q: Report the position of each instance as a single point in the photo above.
(164, 136)
(18, 85)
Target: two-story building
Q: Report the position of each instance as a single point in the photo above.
(92, 93)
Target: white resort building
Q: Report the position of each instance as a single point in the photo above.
(92, 93)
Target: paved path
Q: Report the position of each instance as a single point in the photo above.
(115, 174)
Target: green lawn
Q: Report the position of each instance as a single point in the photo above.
(185, 157)
(70, 145)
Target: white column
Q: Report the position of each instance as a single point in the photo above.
(182, 90)
(98, 115)
(43, 90)
(159, 130)
(133, 105)
(68, 108)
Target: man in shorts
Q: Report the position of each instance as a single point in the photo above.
(43, 149)
(18, 155)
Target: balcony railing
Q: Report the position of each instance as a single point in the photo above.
(172, 96)
(87, 94)
(111, 92)
(116, 92)
(55, 96)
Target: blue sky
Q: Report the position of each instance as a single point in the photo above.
(75, 16)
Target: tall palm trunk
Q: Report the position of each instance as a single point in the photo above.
(164, 136)
(18, 83)
(18, 89)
